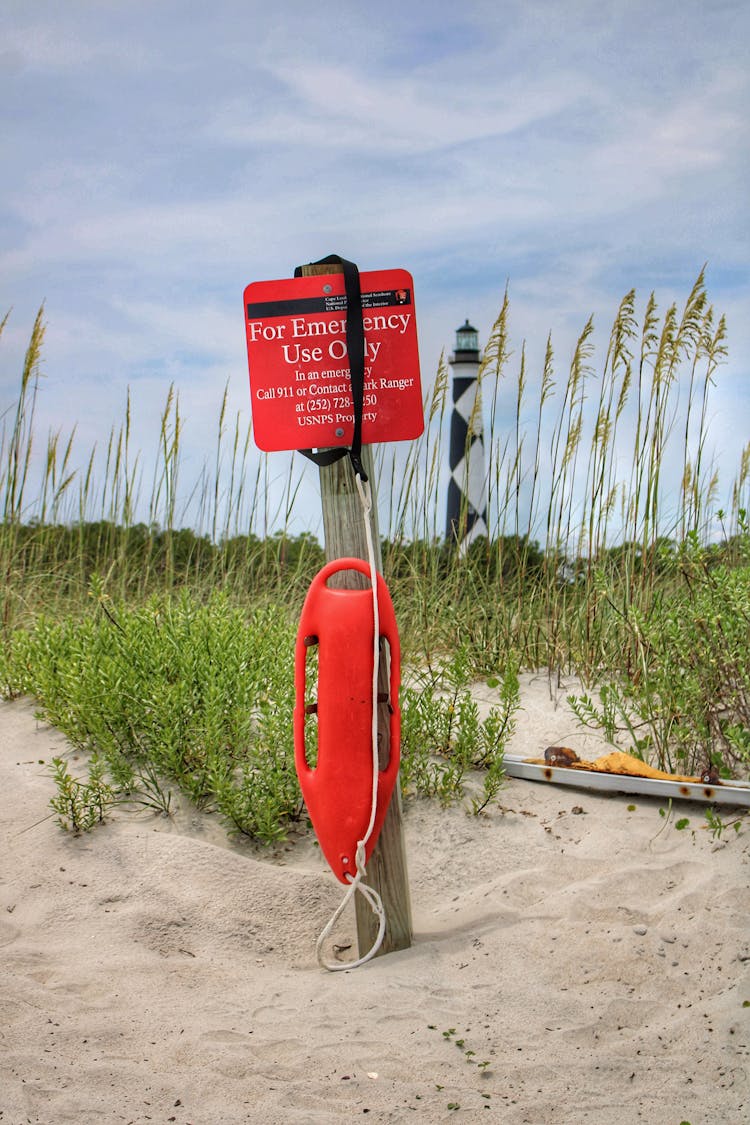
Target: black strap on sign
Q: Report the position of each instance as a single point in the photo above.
(355, 347)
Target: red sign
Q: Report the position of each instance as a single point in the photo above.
(300, 384)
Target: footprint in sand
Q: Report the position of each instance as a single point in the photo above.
(225, 1036)
(8, 933)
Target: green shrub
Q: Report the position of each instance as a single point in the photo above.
(199, 694)
(686, 703)
(442, 736)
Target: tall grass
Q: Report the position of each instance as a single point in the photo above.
(590, 475)
(594, 476)
(62, 524)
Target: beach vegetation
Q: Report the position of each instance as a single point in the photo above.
(155, 627)
(686, 704)
(174, 692)
(80, 805)
(443, 737)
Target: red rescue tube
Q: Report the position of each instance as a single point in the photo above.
(338, 789)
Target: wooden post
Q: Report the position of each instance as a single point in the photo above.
(344, 530)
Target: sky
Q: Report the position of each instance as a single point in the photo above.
(160, 155)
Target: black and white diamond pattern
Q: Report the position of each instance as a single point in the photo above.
(467, 505)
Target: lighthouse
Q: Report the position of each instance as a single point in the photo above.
(466, 517)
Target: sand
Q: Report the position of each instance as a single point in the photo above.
(575, 959)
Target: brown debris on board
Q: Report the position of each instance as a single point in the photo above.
(560, 756)
(617, 762)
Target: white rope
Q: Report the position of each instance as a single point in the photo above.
(356, 884)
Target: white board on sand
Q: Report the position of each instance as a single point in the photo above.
(727, 793)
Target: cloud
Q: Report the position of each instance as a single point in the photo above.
(163, 156)
(336, 109)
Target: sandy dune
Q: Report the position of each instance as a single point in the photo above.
(576, 959)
